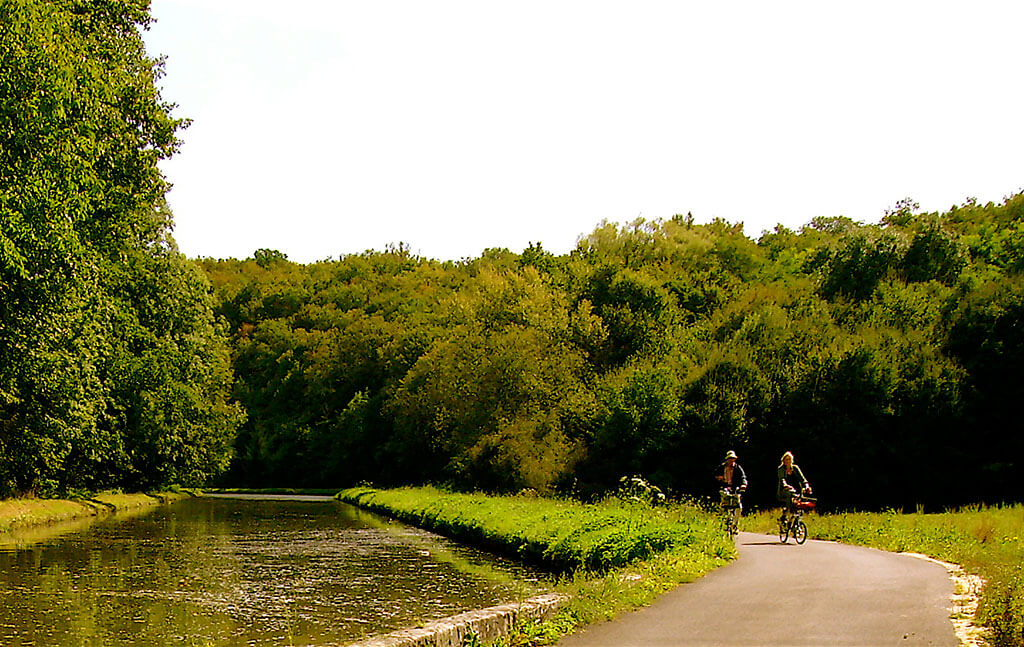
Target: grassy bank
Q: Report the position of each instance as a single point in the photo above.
(610, 557)
(22, 513)
(273, 490)
(986, 541)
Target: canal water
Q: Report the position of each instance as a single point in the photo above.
(240, 571)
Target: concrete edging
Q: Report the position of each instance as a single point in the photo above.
(487, 624)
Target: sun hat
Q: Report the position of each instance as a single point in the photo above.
(730, 454)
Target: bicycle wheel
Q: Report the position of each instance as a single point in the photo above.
(734, 522)
(783, 531)
(800, 532)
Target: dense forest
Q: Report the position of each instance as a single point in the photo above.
(885, 356)
(113, 370)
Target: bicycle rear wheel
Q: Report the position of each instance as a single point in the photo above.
(784, 531)
(800, 532)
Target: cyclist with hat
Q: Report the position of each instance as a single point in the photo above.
(733, 483)
(731, 475)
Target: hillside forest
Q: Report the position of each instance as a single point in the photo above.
(886, 356)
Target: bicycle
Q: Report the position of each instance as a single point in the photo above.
(792, 524)
(731, 508)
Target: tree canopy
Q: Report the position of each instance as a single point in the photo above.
(114, 372)
(883, 355)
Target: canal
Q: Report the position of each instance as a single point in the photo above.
(219, 571)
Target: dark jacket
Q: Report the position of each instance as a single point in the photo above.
(739, 477)
(794, 479)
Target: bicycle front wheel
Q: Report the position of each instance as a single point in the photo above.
(800, 532)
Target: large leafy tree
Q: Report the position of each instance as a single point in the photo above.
(110, 348)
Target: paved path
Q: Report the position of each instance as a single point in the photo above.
(781, 595)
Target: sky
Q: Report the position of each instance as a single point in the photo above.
(322, 128)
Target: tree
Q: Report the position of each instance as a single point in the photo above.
(90, 279)
(854, 269)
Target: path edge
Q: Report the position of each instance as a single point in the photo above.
(966, 595)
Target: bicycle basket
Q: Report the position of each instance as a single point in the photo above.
(804, 504)
(730, 500)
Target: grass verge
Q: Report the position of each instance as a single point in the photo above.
(21, 513)
(609, 557)
(274, 490)
(985, 541)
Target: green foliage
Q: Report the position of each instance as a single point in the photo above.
(933, 255)
(635, 489)
(854, 269)
(650, 349)
(538, 634)
(113, 371)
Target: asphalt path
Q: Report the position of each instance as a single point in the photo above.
(821, 593)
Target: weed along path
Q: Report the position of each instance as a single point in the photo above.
(821, 593)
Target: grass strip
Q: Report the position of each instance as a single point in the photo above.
(609, 557)
(985, 541)
(274, 490)
(21, 513)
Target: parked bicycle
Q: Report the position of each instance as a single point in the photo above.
(731, 507)
(792, 522)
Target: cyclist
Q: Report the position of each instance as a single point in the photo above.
(733, 482)
(731, 475)
(791, 482)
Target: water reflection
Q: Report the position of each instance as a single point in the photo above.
(241, 572)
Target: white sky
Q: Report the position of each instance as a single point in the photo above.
(329, 127)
